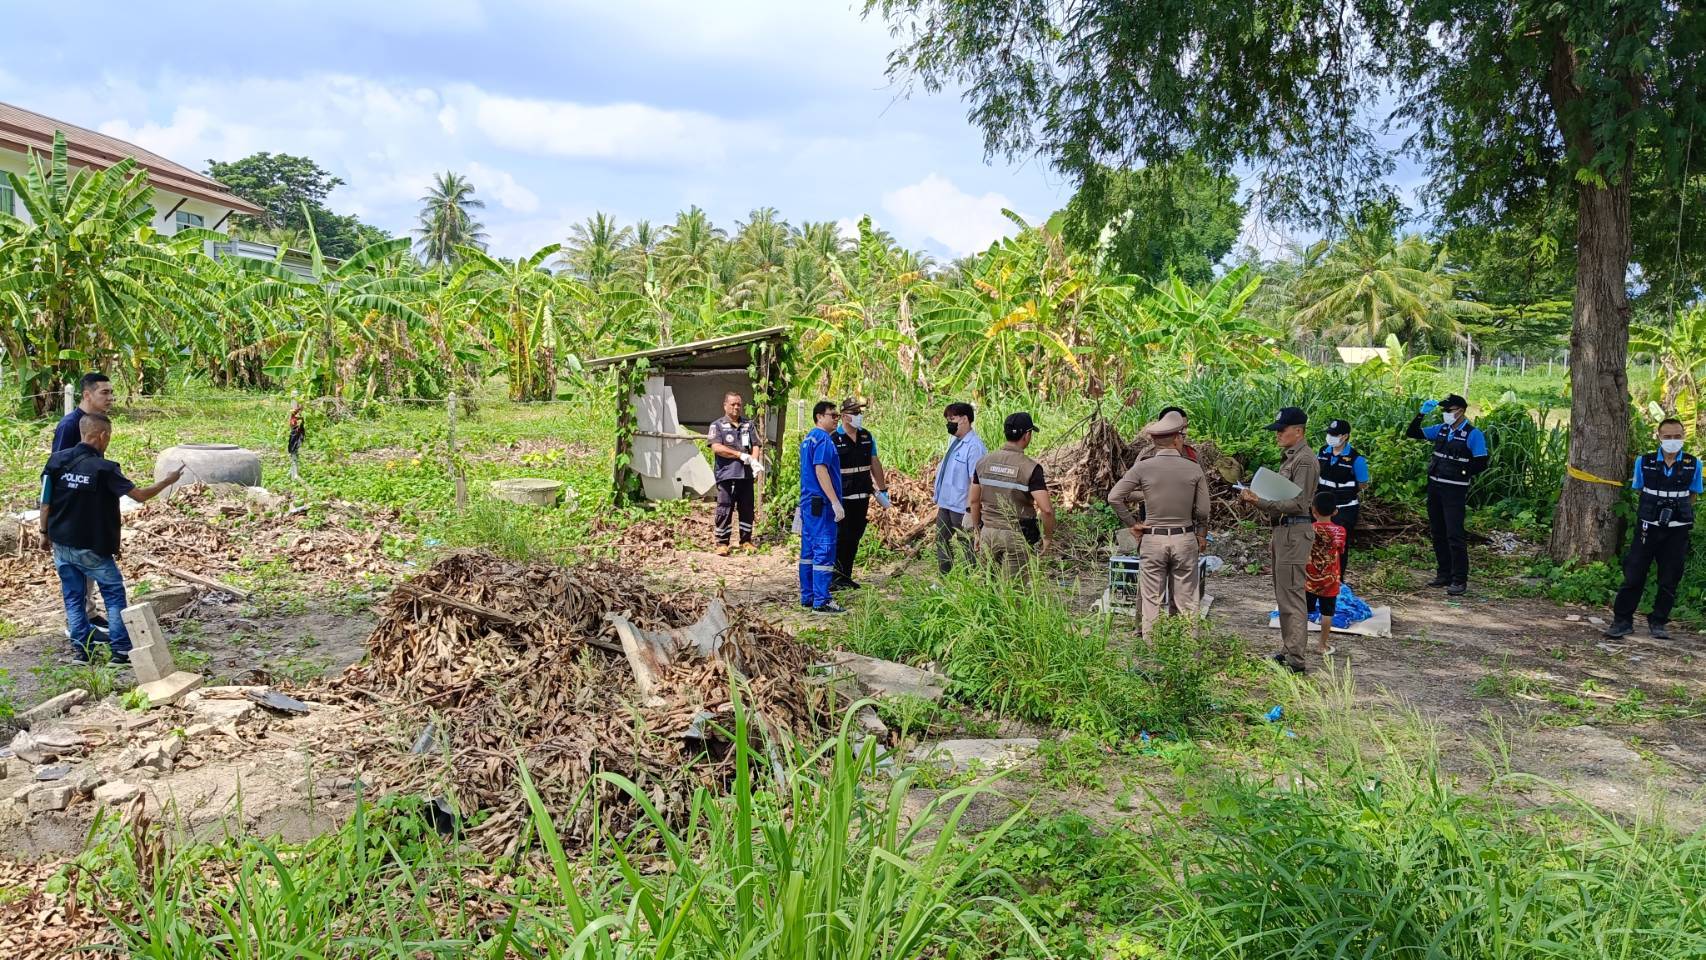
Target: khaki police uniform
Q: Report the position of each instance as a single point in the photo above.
(1006, 479)
(1293, 535)
(1175, 497)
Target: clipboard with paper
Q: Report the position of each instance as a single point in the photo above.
(1269, 485)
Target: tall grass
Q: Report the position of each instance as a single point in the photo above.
(1019, 647)
(814, 857)
(1374, 855)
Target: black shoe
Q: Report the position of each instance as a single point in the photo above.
(830, 607)
(1440, 581)
(1621, 628)
(844, 583)
(1457, 590)
(1657, 631)
(1285, 662)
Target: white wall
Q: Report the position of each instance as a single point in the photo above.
(164, 200)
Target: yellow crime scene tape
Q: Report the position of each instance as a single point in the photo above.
(1581, 474)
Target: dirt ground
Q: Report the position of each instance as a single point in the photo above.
(1617, 724)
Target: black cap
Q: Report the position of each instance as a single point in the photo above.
(1017, 425)
(1339, 427)
(1289, 417)
(1454, 402)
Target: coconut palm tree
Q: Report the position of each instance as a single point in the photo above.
(595, 249)
(688, 247)
(445, 221)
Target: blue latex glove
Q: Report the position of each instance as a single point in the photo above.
(1275, 714)
(883, 498)
(1429, 406)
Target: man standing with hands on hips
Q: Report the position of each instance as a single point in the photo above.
(1174, 531)
(1460, 452)
(862, 479)
(1669, 480)
(820, 510)
(1293, 535)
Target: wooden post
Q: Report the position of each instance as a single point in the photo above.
(70, 399)
(456, 461)
(1468, 360)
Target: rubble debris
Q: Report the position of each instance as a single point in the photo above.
(963, 755)
(49, 799)
(46, 742)
(885, 678)
(548, 683)
(278, 702)
(53, 707)
(116, 792)
(47, 774)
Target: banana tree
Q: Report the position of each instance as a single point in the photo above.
(1679, 350)
(86, 280)
(335, 340)
(518, 298)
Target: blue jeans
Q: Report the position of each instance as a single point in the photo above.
(76, 568)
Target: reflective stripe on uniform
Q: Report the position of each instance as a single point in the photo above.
(1447, 456)
(1329, 483)
(1352, 503)
(1455, 483)
(847, 470)
(855, 496)
(1665, 493)
(1003, 484)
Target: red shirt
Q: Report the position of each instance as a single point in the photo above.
(1321, 574)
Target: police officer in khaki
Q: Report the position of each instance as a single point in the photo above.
(1174, 531)
(1293, 534)
(1007, 489)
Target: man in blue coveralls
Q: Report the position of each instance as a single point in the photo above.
(820, 509)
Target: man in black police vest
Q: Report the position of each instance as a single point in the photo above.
(1668, 480)
(862, 479)
(1460, 452)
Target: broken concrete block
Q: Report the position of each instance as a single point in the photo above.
(53, 707)
(885, 678)
(171, 689)
(150, 658)
(1597, 621)
(170, 600)
(529, 491)
(991, 754)
(160, 754)
(48, 799)
(49, 774)
(127, 759)
(1574, 618)
(86, 779)
(116, 792)
(221, 711)
(47, 741)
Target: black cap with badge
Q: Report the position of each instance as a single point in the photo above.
(1289, 417)
(1338, 428)
(1454, 402)
(1017, 425)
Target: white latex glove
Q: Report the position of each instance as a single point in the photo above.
(965, 522)
(746, 458)
(840, 514)
(883, 498)
(757, 468)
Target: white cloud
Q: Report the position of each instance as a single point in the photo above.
(619, 131)
(502, 187)
(449, 120)
(934, 207)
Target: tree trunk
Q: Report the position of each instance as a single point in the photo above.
(1585, 526)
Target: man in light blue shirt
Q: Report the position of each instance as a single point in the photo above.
(953, 484)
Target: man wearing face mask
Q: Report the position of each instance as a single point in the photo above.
(820, 510)
(1668, 480)
(1344, 474)
(1460, 452)
(862, 478)
(953, 485)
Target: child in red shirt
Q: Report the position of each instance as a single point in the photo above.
(1321, 574)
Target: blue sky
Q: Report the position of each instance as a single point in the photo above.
(554, 109)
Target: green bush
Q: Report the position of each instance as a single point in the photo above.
(1016, 646)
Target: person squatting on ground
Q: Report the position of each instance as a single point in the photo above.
(1668, 480)
(1344, 474)
(1007, 488)
(952, 491)
(96, 397)
(80, 525)
(1173, 533)
(1460, 452)
(1293, 535)
(820, 510)
(1322, 576)
(738, 459)
(862, 479)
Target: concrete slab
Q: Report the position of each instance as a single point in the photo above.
(990, 754)
(169, 690)
(885, 678)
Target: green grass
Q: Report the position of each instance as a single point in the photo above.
(1020, 648)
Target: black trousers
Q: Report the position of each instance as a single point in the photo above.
(1446, 507)
(1668, 546)
(848, 533)
(733, 496)
(1347, 518)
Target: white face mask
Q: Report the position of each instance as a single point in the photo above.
(855, 420)
(1671, 446)
(1450, 417)
(1335, 441)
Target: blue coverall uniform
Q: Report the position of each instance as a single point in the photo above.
(817, 518)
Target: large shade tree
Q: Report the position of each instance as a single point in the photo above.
(1506, 99)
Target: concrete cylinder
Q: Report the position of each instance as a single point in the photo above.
(210, 463)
